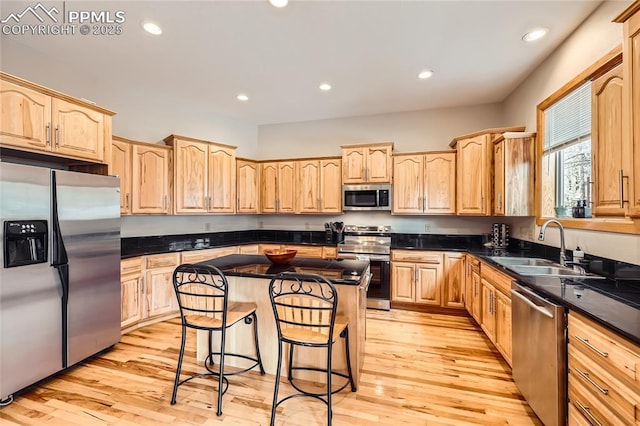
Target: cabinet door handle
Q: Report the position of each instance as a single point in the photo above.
(424, 204)
(586, 376)
(621, 178)
(590, 346)
(58, 136)
(48, 135)
(166, 203)
(415, 273)
(586, 411)
(499, 196)
(126, 200)
(420, 205)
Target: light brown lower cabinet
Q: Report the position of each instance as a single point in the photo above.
(495, 309)
(454, 279)
(131, 286)
(158, 284)
(427, 278)
(473, 290)
(604, 375)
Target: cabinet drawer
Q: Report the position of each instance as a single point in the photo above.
(329, 252)
(576, 418)
(610, 351)
(202, 255)
(162, 260)
(249, 249)
(305, 251)
(589, 407)
(435, 257)
(131, 266)
(604, 386)
(499, 280)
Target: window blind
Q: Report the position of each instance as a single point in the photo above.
(568, 121)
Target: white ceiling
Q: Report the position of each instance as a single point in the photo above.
(370, 51)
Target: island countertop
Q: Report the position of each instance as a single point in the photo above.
(338, 271)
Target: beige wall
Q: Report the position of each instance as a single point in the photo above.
(409, 131)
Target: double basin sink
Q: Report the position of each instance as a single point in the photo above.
(533, 266)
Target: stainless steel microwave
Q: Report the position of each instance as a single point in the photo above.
(366, 197)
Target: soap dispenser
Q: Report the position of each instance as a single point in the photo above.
(578, 255)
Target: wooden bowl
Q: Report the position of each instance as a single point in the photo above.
(280, 256)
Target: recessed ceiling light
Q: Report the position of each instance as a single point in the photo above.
(425, 74)
(242, 97)
(324, 87)
(535, 34)
(279, 3)
(152, 28)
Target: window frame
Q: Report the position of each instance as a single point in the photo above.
(621, 225)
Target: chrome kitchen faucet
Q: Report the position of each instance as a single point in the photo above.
(563, 255)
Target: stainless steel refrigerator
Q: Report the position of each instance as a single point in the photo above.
(60, 277)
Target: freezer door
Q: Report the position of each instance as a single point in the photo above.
(88, 208)
(30, 295)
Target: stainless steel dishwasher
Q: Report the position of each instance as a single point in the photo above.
(540, 353)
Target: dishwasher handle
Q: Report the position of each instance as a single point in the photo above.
(525, 296)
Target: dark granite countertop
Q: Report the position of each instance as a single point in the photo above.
(348, 272)
(615, 303)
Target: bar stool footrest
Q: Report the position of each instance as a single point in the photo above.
(320, 370)
(209, 361)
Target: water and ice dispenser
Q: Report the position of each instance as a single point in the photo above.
(24, 242)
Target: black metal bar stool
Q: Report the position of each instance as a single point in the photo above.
(202, 293)
(304, 306)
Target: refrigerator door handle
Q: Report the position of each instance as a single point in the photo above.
(59, 253)
(60, 261)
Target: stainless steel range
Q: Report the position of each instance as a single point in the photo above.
(372, 243)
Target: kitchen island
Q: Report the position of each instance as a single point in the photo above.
(249, 277)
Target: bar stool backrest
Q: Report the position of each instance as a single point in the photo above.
(202, 291)
(304, 306)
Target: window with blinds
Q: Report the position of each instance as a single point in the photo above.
(567, 151)
(568, 121)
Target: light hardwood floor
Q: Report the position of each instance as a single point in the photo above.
(420, 369)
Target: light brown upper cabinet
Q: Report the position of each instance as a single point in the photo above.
(144, 174)
(120, 166)
(204, 175)
(369, 163)
(247, 186)
(319, 188)
(424, 183)
(631, 100)
(474, 181)
(277, 181)
(474, 175)
(513, 155)
(150, 179)
(41, 120)
(611, 164)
